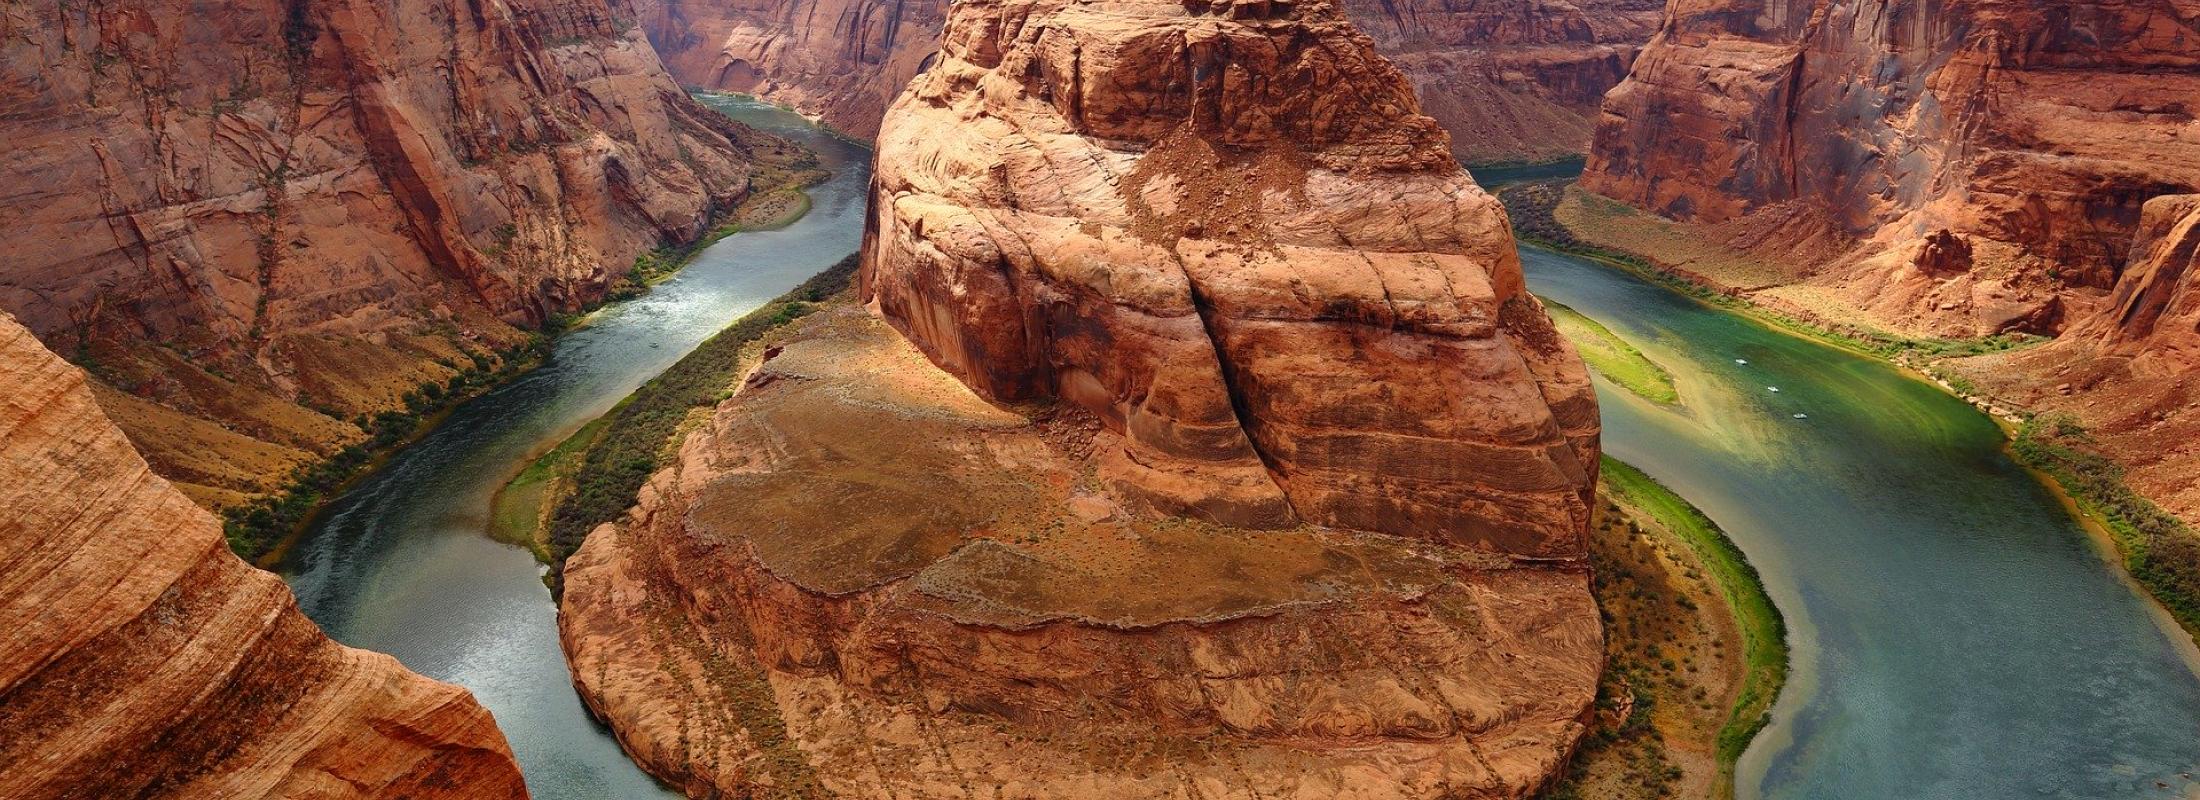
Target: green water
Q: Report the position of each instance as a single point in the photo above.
(1956, 634)
(404, 564)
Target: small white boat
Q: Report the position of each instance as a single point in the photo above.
(1802, 416)
(1773, 389)
(1743, 361)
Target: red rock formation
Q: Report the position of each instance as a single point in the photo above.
(1206, 441)
(2032, 132)
(331, 201)
(1512, 79)
(141, 659)
(2130, 372)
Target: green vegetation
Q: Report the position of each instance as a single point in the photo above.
(629, 448)
(257, 529)
(516, 514)
(1613, 357)
(1763, 631)
(2159, 550)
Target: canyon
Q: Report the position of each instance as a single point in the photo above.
(1195, 432)
(142, 659)
(1514, 80)
(261, 224)
(1944, 173)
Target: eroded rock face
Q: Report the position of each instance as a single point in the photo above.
(1200, 438)
(316, 206)
(2130, 372)
(2032, 132)
(1228, 233)
(1512, 79)
(141, 659)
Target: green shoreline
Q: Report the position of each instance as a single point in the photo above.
(2133, 528)
(1763, 630)
(263, 532)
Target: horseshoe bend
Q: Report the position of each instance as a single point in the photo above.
(1198, 436)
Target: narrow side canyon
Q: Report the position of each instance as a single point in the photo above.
(1196, 434)
(142, 659)
(1514, 80)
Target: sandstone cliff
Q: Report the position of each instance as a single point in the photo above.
(141, 659)
(1950, 169)
(1202, 439)
(1512, 79)
(262, 219)
(2130, 372)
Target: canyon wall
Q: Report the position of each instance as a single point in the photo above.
(260, 221)
(2129, 372)
(1199, 437)
(141, 659)
(1938, 168)
(1513, 79)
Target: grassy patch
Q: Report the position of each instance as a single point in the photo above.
(633, 441)
(1763, 631)
(516, 514)
(2158, 549)
(1613, 357)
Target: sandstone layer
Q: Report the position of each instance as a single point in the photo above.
(141, 659)
(1200, 439)
(1951, 169)
(260, 220)
(1513, 79)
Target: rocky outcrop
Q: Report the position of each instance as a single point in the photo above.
(1204, 440)
(1512, 79)
(1868, 143)
(141, 659)
(2129, 372)
(316, 206)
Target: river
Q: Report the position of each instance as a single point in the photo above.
(403, 562)
(1956, 635)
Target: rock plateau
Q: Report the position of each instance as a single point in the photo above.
(1199, 438)
(1513, 79)
(260, 221)
(142, 659)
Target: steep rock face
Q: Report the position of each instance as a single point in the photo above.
(1194, 228)
(841, 60)
(1513, 79)
(2028, 135)
(1204, 441)
(141, 659)
(2131, 371)
(314, 206)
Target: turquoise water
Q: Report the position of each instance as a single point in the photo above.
(404, 564)
(1956, 634)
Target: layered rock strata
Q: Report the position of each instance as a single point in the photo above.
(1201, 438)
(2130, 372)
(1512, 79)
(1940, 169)
(141, 659)
(261, 220)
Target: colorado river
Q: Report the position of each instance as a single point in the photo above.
(1956, 635)
(403, 563)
